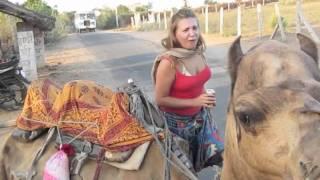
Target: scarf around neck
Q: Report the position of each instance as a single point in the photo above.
(179, 53)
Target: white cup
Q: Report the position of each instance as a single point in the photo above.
(210, 92)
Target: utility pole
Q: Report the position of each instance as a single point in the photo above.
(298, 19)
(117, 20)
(206, 19)
(185, 3)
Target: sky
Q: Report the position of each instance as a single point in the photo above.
(86, 5)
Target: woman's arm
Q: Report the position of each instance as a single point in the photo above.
(164, 78)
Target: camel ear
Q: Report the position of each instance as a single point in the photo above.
(234, 57)
(308, 46)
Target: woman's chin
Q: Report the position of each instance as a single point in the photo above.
(191, 47)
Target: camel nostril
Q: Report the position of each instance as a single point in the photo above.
(309, 170)
(304, 169)
(305, 165)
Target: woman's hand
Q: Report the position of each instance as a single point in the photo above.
(205, 100)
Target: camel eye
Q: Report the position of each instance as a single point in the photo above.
(250, 114)
(250, 117)
(244, 118)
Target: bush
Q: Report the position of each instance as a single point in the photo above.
(39, 6)
(7, 33)
(149, 27)
(274, 22)
(62, 24)
(107, 19)
(60, 30)
(67, 19)
(5, 24)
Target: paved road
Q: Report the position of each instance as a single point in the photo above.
(111, 58)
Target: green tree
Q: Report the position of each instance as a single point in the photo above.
(67, 19)
(274, 22)
(40, 7)
(142, 9)
(123, 10)
(70, 15)
(106, 19)
(209, 1)
(63, 23)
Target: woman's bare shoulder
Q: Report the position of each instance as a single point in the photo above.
(167, 62)
(167, 67)
(168, 58)
(165, 72)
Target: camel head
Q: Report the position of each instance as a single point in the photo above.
(273, 121)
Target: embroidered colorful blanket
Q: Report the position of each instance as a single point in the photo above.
(85, 109)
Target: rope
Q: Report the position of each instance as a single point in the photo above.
(168, 144)
(77, 136)
(99, 164)
(60, 139)
(38, 121)
(70, 122)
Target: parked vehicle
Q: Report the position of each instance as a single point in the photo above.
(13, 85)
(85, 21)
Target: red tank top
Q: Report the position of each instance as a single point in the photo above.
(187, 87)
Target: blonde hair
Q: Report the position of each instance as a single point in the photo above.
(170, 41)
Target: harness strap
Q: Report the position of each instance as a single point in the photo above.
(77, 162)
(99, 165)
(168, 143)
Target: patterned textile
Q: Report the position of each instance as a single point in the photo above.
(98, 113)
(201, 133)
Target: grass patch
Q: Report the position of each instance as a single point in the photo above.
(249, 19)
(151, 27)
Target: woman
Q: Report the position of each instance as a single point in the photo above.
(179, 75)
